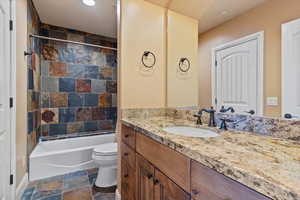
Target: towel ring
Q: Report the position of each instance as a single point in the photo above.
(145, 55)
(182, 64)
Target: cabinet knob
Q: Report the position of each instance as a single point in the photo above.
(156, 181)
(149, 176)
(127, 135)
(126, 154)
(195, 192)
(126, 176)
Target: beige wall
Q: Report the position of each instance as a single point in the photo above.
(182, 88)
(142, 29)
(268, 17)
(21, 98)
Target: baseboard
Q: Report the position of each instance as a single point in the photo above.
(118, 195)
(22, 186)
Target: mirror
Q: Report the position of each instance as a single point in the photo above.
(240, 61)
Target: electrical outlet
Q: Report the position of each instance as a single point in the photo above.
(272, 101)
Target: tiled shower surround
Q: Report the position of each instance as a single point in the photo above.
(33, 84)
(78, 84)
(71, 88)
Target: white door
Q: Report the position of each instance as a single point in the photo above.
(5, 150)
(291, 68)
(237, 75)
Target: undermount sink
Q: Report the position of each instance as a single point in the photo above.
(191, 132)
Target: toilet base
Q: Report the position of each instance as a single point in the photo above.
(107, 177)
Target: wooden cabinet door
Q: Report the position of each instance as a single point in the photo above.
(166, 189)
(127, 181)
(144, 179)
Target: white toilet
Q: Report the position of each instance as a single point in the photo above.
(105, 156)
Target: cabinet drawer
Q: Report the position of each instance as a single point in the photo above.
(128, 155)
(128, 136)
(127, 181)
(175, 165)
(209, 184)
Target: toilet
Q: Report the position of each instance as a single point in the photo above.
(105, 156)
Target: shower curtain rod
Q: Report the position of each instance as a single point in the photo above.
(73, 42)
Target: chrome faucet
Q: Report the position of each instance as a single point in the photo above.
(212, 121)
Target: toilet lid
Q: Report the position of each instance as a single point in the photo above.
(107, 149)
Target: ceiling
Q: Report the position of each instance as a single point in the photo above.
(210, 13)
(100, 19)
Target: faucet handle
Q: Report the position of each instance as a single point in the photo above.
(199, 121)
(222, 110)
(251, 112)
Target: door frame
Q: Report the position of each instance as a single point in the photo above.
(284, 63)
(13, 96)
(259, 36)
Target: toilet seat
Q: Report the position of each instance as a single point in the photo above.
(108, 149)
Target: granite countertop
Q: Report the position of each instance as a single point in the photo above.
(268, 165)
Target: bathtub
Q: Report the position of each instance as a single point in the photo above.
(52, 158)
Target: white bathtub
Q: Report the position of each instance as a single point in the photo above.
(52, 158)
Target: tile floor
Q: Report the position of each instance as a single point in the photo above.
(73, 186)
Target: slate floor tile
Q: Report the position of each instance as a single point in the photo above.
(75, 174)
(28, 193)
(47, 189)
(76, 182)
(92, 178)
(52, 197)
(81, 194)
(73, 186)
(104, 196)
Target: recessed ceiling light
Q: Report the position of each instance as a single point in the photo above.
(89, 2)
(224, 12)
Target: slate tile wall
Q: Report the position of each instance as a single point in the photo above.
(78, 84)
(33, 84)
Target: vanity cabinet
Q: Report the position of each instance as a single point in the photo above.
(175, 165)
(128, 172)
(152, 184)
(152, 171)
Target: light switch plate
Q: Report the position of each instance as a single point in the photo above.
(272, 101)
